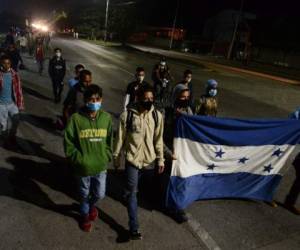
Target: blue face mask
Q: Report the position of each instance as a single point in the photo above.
(213, 92)
(94, 106)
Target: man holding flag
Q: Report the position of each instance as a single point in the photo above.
(181, 106)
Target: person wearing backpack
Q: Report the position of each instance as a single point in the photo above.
(140, 134)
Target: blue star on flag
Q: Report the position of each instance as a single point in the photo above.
(219, 153)
(211, 167)
(268, 168)
(277, 152)
(243, 160)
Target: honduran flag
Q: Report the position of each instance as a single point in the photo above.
(230, 158)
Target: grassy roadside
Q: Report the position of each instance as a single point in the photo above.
(102, 43)
(290, 76)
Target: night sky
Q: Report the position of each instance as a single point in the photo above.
(192, 13)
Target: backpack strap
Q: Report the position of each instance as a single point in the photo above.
(155, 117)
(129, 120)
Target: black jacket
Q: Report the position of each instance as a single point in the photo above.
(15, 58)
(57, 68)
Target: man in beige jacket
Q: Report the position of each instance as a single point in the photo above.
(140, 134)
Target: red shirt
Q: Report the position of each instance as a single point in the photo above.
(39, 53)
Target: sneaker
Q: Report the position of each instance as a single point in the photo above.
(85, 224)
(178, 215)
(273, 204)
(181, 216)
(93, 215)
(135, 235)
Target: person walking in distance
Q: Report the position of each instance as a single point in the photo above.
(40, 57)
(132, 88)
(74, 100)
(73, 81)
(57, 72)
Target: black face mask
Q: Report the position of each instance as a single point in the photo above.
(182, 103)
(147, 105)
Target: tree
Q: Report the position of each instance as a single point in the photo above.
(124, 21)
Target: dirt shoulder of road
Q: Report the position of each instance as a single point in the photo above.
(276, 73)
(103, 43)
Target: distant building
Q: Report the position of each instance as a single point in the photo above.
(159, 36)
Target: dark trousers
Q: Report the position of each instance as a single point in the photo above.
(57, 86)
(293, 195)
(40, 64)
(148, 186)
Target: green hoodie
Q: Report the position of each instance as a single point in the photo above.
(88, 142)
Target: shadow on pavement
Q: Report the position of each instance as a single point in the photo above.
(36, 93)
(26, 189)
(152, 189)
(28, 173)
(27, 147)
(57, 175)
(123, 234)
(45, 123)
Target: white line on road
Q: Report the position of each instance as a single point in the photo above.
(124, 70)
(202, 233)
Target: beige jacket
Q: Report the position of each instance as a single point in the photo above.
(143, 143)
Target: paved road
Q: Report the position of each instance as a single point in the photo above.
(37, 203)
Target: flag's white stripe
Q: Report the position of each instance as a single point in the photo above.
(193, 158)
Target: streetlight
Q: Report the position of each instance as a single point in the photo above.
(235, 30)
(174, 25)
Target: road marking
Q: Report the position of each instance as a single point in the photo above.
(126, 71)
(202, 233)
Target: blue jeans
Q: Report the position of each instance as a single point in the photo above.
(9, 119)
(91, 189)
(133, 175)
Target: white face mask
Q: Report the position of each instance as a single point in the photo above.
(213, 92)
(58, 54)
(140, 78)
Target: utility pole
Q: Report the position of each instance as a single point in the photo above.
(235, 30)
(106, 20)
(174, 25)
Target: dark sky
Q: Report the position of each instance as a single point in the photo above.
(193, 7)
(192, 13)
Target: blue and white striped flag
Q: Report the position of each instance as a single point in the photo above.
(230, 158)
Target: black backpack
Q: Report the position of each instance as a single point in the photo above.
(130, 116)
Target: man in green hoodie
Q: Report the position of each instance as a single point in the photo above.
(88, 145)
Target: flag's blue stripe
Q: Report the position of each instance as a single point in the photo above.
(183, 191)
(236, 132)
